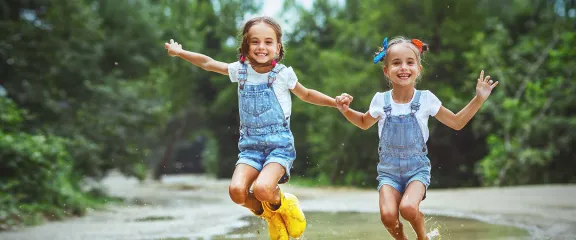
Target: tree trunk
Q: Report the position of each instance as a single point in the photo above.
(167, 157)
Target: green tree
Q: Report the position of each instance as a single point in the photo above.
(531, 129)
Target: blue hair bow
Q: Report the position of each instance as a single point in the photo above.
(381, 55)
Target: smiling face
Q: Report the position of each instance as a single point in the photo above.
(263, 43)
(402, 65)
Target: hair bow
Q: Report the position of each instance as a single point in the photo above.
(418, 44)
(381, 55)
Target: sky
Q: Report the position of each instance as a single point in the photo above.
(273, 7)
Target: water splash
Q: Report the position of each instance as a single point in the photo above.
(434, 234)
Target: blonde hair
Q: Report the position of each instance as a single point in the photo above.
(400, 40)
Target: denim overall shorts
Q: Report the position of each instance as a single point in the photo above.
(401, 149)
(265, 135)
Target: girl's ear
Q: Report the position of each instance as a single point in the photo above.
(385, 70)
(278, 48)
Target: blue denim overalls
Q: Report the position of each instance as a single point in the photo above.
(265, 134)
(402, 150)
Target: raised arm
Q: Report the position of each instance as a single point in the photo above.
(200, 60)
(459, 120)
(312, 96)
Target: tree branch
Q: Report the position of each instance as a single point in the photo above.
(536, 119)
(536, 66)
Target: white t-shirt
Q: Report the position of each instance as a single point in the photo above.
(285, 81)
(429, 106)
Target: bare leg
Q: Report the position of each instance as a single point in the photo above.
(243, 177)
(266, 187)
(410, 208)
(389, 201)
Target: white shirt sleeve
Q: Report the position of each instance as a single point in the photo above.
(376, 109)
(291, 78)
(433, 102)
(233, 71)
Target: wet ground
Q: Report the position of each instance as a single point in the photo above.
(196, 207)
(365, 226)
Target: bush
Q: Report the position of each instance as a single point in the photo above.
(36, 174)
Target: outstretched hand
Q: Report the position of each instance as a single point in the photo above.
(174, 48)
(484, 86)
(343, 102)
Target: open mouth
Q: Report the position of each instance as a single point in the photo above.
(404, 76)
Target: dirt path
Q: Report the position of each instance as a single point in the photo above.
(198, 207)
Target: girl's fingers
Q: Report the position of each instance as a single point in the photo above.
(494, 85)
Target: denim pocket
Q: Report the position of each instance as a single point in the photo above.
(255, 103)
(400, 135)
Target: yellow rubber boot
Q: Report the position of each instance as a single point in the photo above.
(291, 214)
(276, 227)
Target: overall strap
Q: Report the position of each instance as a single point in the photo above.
(274, 72)
(415, 106)
(387, 101)
(242, 74)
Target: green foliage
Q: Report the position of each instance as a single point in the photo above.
(79, 102)
(37, 177)
(531, 126)
(210, 156)
(87, 88)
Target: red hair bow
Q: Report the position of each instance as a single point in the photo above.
(418, 44)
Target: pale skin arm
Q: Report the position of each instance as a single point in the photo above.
(361, 120)
(455, 121)
(207, 63)
(200, 60)
(459, 120)
(312, 96)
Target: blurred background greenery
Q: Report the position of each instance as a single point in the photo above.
(86, 87)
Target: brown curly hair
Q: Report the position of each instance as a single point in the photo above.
(245, 45)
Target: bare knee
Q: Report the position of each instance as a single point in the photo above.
(265, 192)
(238, 193)
(389, 218)
(409, 211)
